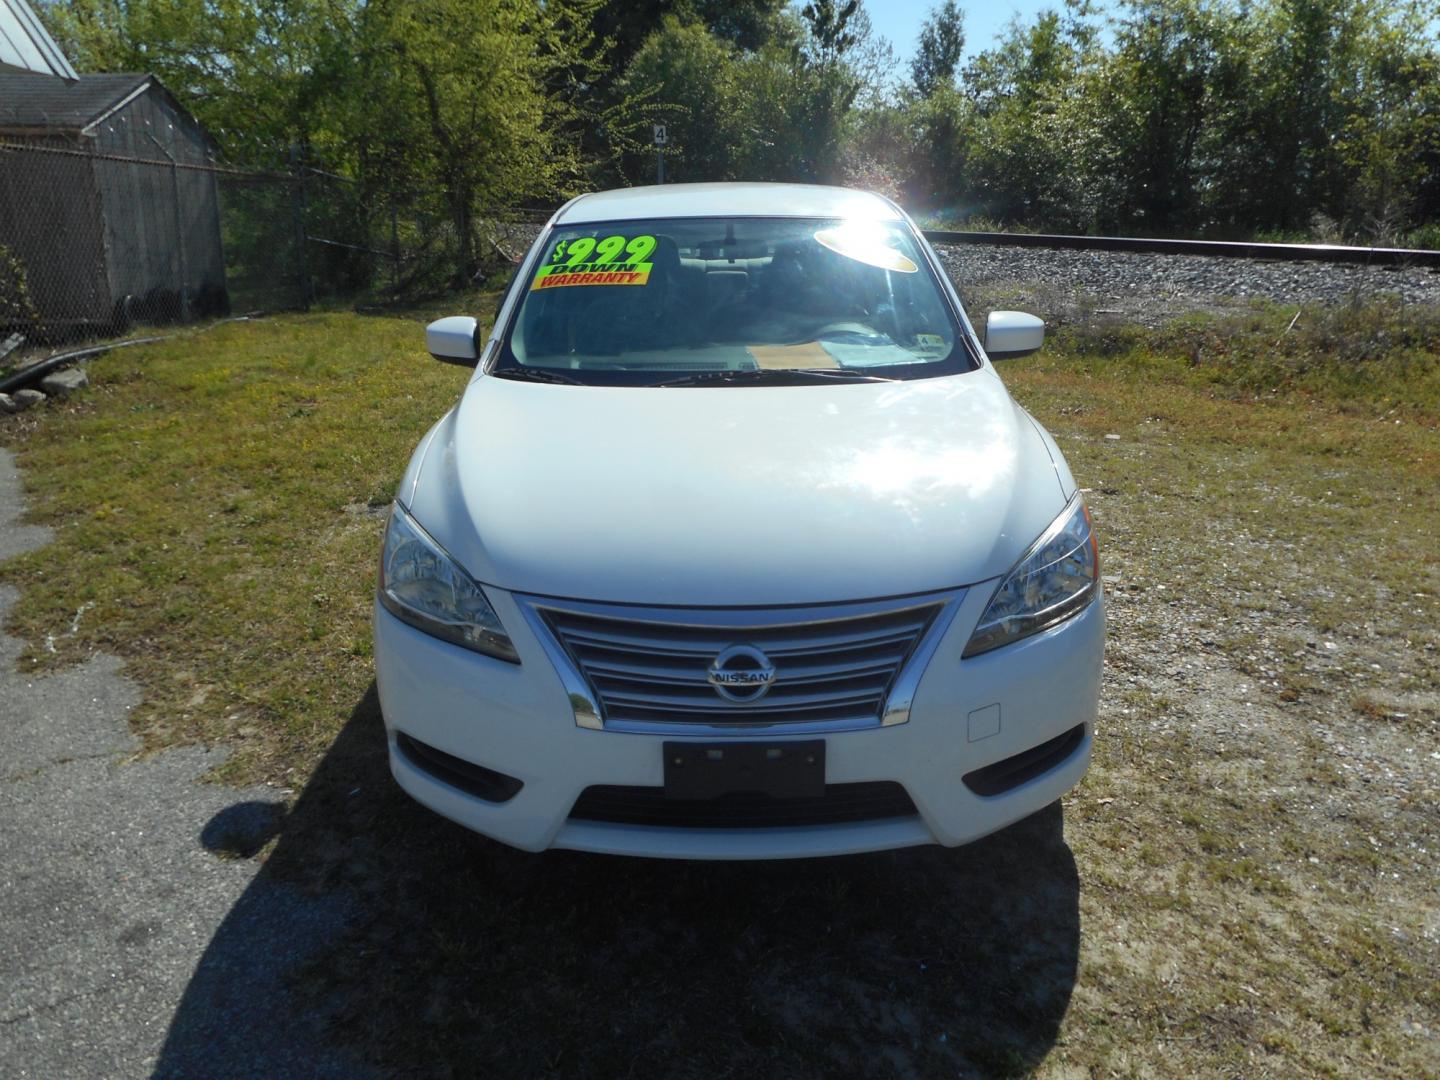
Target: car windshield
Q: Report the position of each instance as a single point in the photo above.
(696, 301)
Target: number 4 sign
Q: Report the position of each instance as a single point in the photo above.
(661, 138)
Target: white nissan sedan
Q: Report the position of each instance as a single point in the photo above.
(736, 547)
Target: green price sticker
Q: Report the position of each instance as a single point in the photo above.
(615, 260)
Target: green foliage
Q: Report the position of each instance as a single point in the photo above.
(937, 53)
(746, 24)
(940, 124)
(465, 111)
(1426, 237)
(695, 75)
(249, 72)
(1028, 138)
(16, 307)
(825, 84)
(1152, 99)
(1295, 83)
(1210, 117)
(1195, 117)
(1374, 359)
(784, 111)
(446, 106)
(831, 32)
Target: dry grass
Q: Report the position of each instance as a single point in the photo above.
(1258, 839)
(1245, 884)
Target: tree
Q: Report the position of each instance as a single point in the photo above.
(469, 98)
(246, 71)
(1224, 116)
(941, 44)
(1297, 83)
(1154, 94)
(1028, 133)
(747, 24)
(693, 79)
(941, 128)
(831, 32)
(826, 84)
(1391, 143)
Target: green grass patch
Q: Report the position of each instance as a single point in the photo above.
(218, 500)
(1380, 359)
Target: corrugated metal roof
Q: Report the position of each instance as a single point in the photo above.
(25, 44)
(44, 103)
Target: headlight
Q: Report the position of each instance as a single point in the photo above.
(422, 586)
(1053, 580)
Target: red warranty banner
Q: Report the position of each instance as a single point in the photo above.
(593, 277)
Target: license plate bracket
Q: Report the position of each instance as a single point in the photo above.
(782, 770)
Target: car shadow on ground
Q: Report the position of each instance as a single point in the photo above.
(377, 935)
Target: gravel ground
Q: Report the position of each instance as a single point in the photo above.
(1077, 285)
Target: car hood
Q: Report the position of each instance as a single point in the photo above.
(736, 495)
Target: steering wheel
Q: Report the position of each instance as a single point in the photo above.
(845, 328)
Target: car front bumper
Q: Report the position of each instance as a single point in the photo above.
(516, 719)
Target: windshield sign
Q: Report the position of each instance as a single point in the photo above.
(615, 260)
(706, 301)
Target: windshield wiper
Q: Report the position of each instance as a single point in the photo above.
(783, 376)
(535, 374)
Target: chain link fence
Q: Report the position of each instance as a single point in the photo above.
(94, 244)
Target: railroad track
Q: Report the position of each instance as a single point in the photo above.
(1219, 249)
(1080, 279)
(527, 220)
(1151, 278)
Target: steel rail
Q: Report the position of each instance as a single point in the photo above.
(1221, 249)
(1224, 249)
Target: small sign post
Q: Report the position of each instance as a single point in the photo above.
(661, 138)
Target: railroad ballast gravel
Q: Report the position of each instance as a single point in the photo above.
(1149, 286)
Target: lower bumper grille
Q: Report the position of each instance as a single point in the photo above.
(841, 804)
(470, 778)
(1013, 771)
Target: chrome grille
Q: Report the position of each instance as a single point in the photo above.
(834, 667)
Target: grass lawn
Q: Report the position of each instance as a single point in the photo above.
(1247, 882)
(220, 497)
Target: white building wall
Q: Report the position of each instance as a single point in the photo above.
(25, 44)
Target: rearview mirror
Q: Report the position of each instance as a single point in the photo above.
(451, 340)
(1009, 334)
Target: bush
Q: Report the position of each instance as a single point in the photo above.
(16, 308)
(1366, 358)
(1427, 237)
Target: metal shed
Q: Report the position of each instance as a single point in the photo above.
(108, 202)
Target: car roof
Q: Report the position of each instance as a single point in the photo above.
(727, 200)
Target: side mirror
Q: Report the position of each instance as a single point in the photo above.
(1009, 334)
(451, 340)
